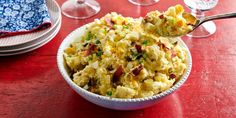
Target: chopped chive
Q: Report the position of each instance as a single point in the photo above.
(172, 20)
(144, 55)
(99, 53)
(90, 58)
(85, 44)
(104, 31)
(140, 61)
(115, 26)
(109, 93)
(145, 42)
(125, 27)
(89, 36)
(97, 42)
(137, 55)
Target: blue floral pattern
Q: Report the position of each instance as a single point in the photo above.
(23, 16)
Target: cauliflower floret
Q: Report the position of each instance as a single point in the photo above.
(95, 65)
(80, 80)
(107, 50)
(111, 35)
(82, 77)
(164, 79)
(105, 84)
(155, 86)
(133, 36)
(148, 84)
(124, 92)
(143, 74)
(153, 51)
(159, 86)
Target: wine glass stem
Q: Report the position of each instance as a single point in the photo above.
(80, 1)
(198, 14)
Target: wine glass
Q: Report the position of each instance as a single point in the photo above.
(143, 2)
(80, 9)
(198, 8)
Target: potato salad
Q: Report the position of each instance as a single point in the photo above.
(171, 23)
(115, 57)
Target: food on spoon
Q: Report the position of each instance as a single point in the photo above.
(171, 23)
(116, 58)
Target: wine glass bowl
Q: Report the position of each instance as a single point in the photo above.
(143, 2)
(198, 8)
(80, 9)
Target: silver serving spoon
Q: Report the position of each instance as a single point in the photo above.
(197, 22)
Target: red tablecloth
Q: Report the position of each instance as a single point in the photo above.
(32, 87)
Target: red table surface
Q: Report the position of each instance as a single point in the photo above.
(31, 85)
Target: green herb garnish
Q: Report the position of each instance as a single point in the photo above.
(115, 26)
(125, 27)
(90, 58)
(104, 31)
(144, 55)
(89, 36)
(97, 42)
(171, 20)
(99, 53)
(140, 61)
(109, 93)
(137, 55)
(145, 42)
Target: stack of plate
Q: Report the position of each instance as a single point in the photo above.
(24, 43)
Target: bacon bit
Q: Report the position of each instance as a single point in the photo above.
(138, 48)
(137, 70)
(119, 71)
(132, 43)
(92, 82)
(161, 16)
(123, 23)
(172, 76)
(113, 22)
(109, 22)
(175, 43)
(161, 45)
(145, 19)
(87, 53)
(173, 54)
(165, 48)
(90, 49)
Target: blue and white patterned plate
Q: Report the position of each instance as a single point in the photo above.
(21, 16)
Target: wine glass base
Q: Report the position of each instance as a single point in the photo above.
(204, 30)
(143, 2)
(77, 10)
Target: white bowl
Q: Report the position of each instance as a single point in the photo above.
(115, 103)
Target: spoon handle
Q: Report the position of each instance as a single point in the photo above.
(220, 16)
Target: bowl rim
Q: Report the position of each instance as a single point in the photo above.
(60, 64)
